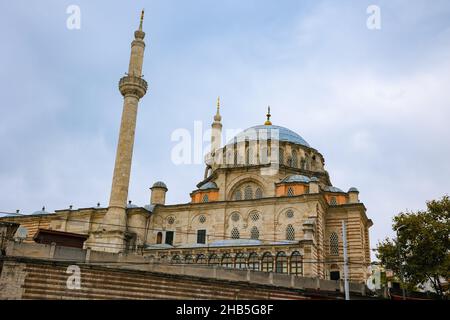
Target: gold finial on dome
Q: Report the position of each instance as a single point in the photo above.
(268, 123)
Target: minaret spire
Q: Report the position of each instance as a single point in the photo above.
(216, 133)
(268, 122)
(218, 117)
(142, 20)
(132, 87)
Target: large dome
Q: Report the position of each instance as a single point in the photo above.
(284, 134)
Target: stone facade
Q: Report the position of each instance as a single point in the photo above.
(266, 203)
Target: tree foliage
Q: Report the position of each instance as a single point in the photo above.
(421, 251)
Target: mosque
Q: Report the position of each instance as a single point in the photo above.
(265, 203)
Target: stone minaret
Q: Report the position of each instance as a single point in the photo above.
(216, 133)
(112, 234)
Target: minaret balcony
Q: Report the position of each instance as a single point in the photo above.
(132, 85)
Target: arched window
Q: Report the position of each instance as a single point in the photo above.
(333, 201)
(290, 192)
(281, 156)
(303, 163)
(247, 156)
(254, 233)
(253, 261)
(235, 233)
(263, 155)
(258, 193)
(267, 262)
(176, 259)
(334, 244)
(296, 264)
(214, 260)
(240, 261)
(294, 159)
(229, 157)
(290, 233)
(227, 261)
(237, 195)
(254, 216)
(201, 259)
(289, 161)
(159, 238)
(205, 198)
(281, 265)
(248, 193)
(188, 259)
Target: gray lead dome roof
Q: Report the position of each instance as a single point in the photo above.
(284, 134)
(159, 184)
(296, 178)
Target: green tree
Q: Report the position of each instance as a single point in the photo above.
(421, 251)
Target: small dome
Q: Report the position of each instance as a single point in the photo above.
(314, 179)
(353, 189)
(130, 205)
(149, 207)
(209, 185)
(42, 211)
(159, 184)
(296, 178)
(332, 189)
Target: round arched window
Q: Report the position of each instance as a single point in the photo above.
(235, 217)
(254, 216)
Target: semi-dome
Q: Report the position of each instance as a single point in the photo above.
(159, 184)
(209, 185)
(256, 132)
(296, 178)
(332, 189)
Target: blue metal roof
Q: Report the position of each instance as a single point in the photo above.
(270, 132)
(296, 178)
(209, 185)
(332, 189)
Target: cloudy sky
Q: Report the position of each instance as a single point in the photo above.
(375, 103)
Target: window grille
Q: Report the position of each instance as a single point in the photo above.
(254, 233)
(290, 233)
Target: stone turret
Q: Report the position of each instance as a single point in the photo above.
(158, 194)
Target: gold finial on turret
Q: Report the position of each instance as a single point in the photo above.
(218, 103)
(142, 20)
(268, 123)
